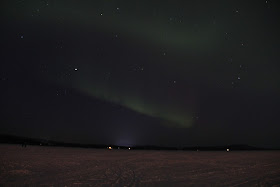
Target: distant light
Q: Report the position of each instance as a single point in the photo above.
(110, 148)
(129, 148)
(21, 36)
(227, 150)
(76, 69)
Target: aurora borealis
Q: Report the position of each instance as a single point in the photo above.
(141, 72)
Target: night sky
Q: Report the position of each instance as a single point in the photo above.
(141, 72)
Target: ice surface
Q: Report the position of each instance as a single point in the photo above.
(57, 166)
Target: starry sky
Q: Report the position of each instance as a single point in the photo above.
(167, 73)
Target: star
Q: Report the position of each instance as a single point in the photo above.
(76, 69)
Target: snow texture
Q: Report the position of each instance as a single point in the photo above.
(58, 166)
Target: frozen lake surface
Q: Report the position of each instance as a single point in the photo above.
(58, 166)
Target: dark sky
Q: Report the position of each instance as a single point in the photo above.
(169, 73)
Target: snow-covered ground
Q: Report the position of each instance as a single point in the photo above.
(57, 166)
